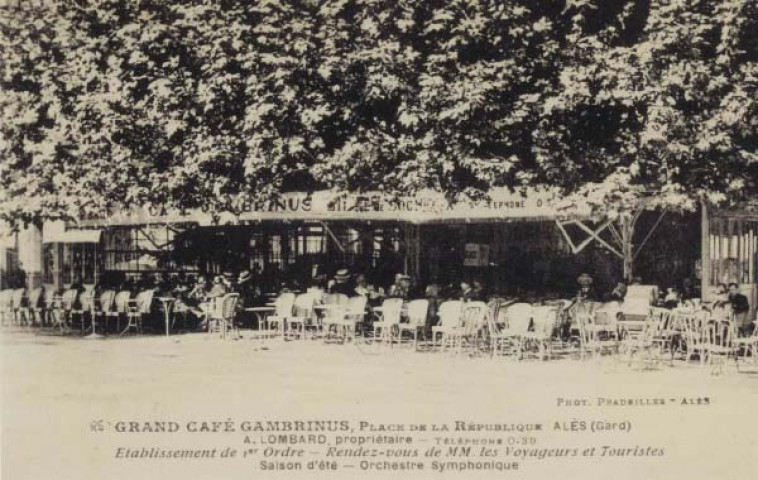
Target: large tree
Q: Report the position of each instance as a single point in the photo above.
(109, 104)
(656, 109)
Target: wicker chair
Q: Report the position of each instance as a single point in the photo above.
(417, 313)
(137, 310)
(223, 315)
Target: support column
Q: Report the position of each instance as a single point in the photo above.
(705, 252)
(627, 248)
(30, 255)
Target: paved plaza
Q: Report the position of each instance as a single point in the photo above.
(60, 385)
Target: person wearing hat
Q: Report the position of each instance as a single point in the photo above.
(230, 281)
(586, 290)
(342, 283)
(585, 294)
(362, 287)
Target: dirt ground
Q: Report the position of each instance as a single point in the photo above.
(56, 389)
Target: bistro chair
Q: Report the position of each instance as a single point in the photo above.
(119, 309)
(137, 310)
(633, 343)
(544, 325)
(473, 321)
(83, 309)
(606, 320)
(495, 334)
(283, 306)
(223, 314)
(68, 302)
(518, 321)
(719, 343)
(6, 302)
(747, 345)
(345, 320)
(51, 300)
(302, 315)
(35, 306)
(20, 307)
(417, 315)
(104, 308)
(60, 310)
(693, 334)
(449, 313)
(599, 329)
(6, 307)
(497, 307)
(561, 340)
(391, 313)
(665, 337)
(518, 313)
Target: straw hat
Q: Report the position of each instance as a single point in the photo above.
(342, 275)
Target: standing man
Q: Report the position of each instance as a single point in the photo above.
(249, 295)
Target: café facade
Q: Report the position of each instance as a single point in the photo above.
(515, 243)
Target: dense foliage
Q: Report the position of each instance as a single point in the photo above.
(111, 104)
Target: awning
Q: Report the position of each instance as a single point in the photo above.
(74, 236)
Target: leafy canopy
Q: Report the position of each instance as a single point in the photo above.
(198, 104)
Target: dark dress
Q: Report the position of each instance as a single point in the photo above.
(346, 288)
(739, 303)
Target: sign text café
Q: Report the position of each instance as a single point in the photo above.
(424, 207)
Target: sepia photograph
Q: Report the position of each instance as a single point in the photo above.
(274, 239)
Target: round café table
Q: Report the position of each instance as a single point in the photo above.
(261, 313)
(166, 302)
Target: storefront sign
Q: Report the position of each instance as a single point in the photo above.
(424, 207)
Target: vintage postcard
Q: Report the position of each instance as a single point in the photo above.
(275, 239)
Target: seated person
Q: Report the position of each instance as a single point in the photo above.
(688, 291)
(740, 307)
(362, 287)
(586, 290)
(218, 289)
(619, 293)
(468, 294)
(721, 299)
(479, 291)
(401, 287)
(432, 293)
(195, 300)
(342, 283)
(671, 300)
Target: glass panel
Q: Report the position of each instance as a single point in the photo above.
(48, 262)
(66, 264)
(88, 262)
